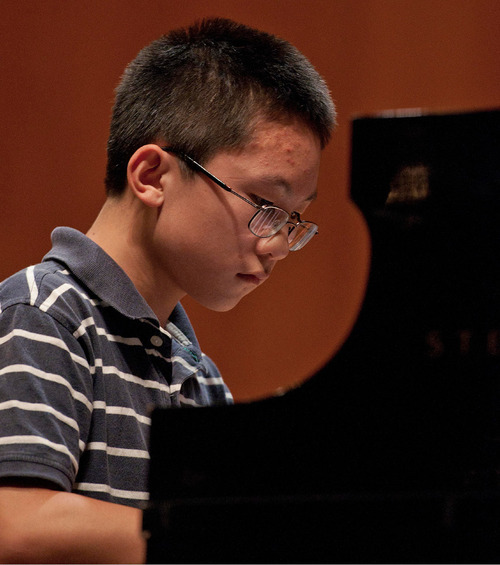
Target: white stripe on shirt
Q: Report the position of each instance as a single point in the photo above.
(112, 370)
(54, 295)
(38, 407)
(19, 368)
(210, 380)
(20, 440)
(100, 331)
(30, 278)
(121, 411)
(42, 338)
(117, 451)
(59, 291)
(95, 487)
(188, 401)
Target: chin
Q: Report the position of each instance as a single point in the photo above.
(222, 305)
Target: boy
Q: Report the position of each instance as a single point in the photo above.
(213, 158)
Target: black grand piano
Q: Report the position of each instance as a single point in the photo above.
(391, 452)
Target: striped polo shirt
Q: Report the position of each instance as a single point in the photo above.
(83, 360)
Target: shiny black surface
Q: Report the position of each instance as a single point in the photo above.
(390, 452)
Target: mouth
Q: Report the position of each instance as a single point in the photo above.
(255, 278)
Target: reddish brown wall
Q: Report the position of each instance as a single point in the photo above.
(60, 61)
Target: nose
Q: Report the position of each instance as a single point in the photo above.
(275, 246)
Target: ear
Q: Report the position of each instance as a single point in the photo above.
(145, 171)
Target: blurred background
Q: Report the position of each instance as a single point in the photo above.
(60, 61)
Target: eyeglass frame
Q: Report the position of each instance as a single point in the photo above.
(306, 224)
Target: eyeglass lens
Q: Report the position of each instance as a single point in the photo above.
(268, 221)
(271, 220)
(299, 235)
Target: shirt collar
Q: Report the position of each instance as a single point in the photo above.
(87, 261)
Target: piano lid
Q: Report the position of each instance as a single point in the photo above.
(411, 399)
(410, 403)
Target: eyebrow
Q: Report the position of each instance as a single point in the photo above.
(283, 183)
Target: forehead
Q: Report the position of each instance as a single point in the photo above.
(281, 156)
(290, 140)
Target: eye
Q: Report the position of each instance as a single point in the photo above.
(261, 201)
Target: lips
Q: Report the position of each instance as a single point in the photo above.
(253, 278)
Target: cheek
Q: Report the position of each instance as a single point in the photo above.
(226, 226)
(213, 210)
(206, 226)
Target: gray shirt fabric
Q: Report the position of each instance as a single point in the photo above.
(83, 359)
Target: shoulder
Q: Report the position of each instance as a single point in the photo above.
(46, 288)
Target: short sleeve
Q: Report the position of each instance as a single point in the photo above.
(45, 397)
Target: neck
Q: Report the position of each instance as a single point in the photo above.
(124, 230)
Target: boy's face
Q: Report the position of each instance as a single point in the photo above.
(202, 245)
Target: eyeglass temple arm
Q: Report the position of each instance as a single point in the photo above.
(202, 169)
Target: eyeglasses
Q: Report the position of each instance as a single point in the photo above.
(269, 219)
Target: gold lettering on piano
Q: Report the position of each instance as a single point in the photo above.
(465, 337)
(462, 342)
(435, 344)
(410, 184)
(494, 343)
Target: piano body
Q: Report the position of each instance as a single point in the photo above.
(390, 452)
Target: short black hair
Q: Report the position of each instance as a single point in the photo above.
(202, 88)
